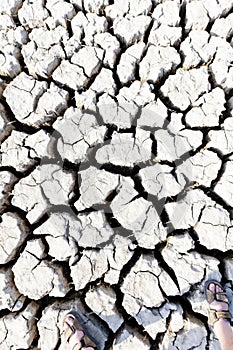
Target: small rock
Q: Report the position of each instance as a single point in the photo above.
(185, 87)
(13, 235)
(158, 62)
(36, 277)
(92, 65)
(11, 7)
(102, 301)
(137, 93)
(167, 13)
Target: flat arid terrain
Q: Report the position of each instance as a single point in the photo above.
(116, 170)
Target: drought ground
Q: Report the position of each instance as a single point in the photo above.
(116, 123)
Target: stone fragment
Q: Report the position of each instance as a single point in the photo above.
(89, 24)
(43, 53)
(222, 139)
(216, 8)
(13, 235)
(214, 228)
(19, 150)
(92, 265)
(224, 187)
(165, 35)
(207, 109)
(96, 186)
(86, 100)
(223, 27)
(158, 62)
(36, 277)
(110, 45)
(13, 325)
(47, 185)
(189, 266)
(128, 62)
(10, 298)
(202, 168)
(7, 180)
(185, 212)
(194, 332)
(159, 181)
(130, 339)
(22, 95)
(137, 215)
(146, 281)
(79, 131)
(197, 49)
(131, 29)
(102, 301)
(60, 12)
(52, 336)
(185, 87)
(196, 16)
(104, 82)
(133, 7)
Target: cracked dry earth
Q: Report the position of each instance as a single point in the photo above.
(116, 185)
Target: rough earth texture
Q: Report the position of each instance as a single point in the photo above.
(116, 170)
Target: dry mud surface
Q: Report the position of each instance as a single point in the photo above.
(116, 175)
